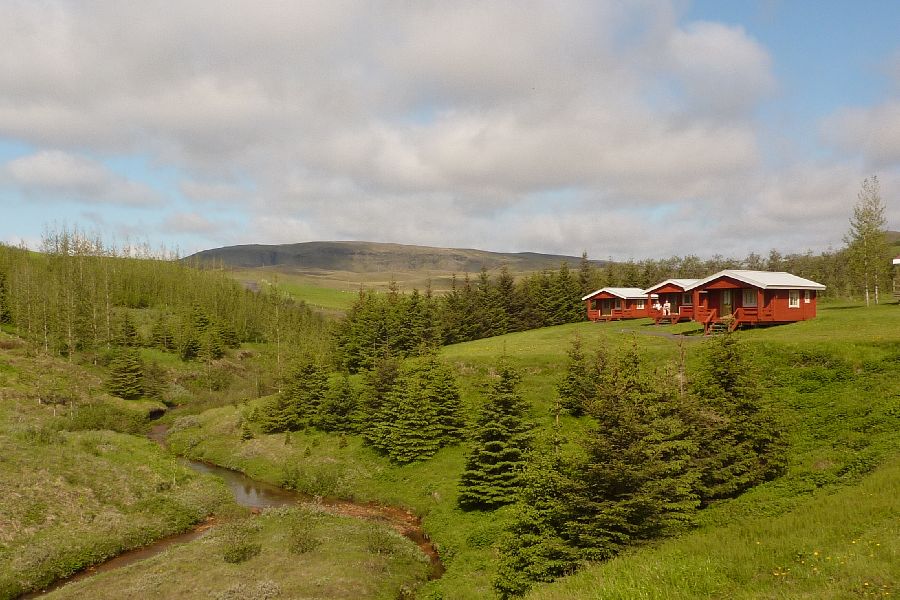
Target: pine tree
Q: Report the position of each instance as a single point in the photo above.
(534, 548)
(126, 375)
(338, 408)
(303, 394)
(493, 471)
(638, 479)
(741, 445)
(579, 386)
(128, 335)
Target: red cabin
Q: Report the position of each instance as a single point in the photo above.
(674, 293)
(611, 303)
(732, 298)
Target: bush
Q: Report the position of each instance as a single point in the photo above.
(239, 543)
(380, 540)
(302, 534)
(100, 416)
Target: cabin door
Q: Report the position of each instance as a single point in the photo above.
(727, 303)
(605, 307)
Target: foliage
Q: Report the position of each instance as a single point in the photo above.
(239, 542)
(740, 444)
(867, 246)
(493, 471)
(419, 414)
(126, 375)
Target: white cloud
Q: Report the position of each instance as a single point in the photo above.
(435, 123)
(872, 132)
(56, 175)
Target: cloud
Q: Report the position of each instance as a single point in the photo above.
(872, 132)
(56, 175)
(468, 123)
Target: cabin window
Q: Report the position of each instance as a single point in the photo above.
(793, 298)
(618, 304)
(749, 299)
(640, 305)
(686, 299)
(807, 296)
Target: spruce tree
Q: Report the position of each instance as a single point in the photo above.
(126, 375)
(440, 390)
(128, 335)
(339, 405)
(493, 471)
(578, 389)
(534, 547)
(303, 394)
(638, 479)
(741, 444)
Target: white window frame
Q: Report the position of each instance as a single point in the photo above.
(793, 298)
(807, 296)
(640, 305)
(749, 299)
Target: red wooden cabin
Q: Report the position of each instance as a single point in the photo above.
(611, 303)
(673, 291)
(732, 298)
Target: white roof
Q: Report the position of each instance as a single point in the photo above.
(897, 261)
(767, 280)
(621, 292)
(682, 283)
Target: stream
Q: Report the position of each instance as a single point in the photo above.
(258, 495)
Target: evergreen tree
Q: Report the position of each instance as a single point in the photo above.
(578, 389)
(128, 335)
(439, 388)
(339, 405)
(867, 246)
(741, 445)
(534, 548)
(126, 375)
(493, 471)
(5, 308)
(161, 334)
(303, 394)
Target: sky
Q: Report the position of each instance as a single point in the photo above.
(626, 129)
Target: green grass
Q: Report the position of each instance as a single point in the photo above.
(71, 496)
(347, 558)
(834, 381)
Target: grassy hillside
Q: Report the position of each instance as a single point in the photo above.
(834, 381)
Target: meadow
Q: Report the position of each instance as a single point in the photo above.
(834, 382)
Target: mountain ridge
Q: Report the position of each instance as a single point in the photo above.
(364, 257)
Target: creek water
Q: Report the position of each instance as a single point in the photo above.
(258, 495)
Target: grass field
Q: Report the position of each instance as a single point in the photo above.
(834, 381)
(826, 529)
(342, 558)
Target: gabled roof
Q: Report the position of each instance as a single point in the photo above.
(621, 292)
(766, 280)
(682, 283)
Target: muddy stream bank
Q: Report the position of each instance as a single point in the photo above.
(258, 495)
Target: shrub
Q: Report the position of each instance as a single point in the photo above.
(239, 543)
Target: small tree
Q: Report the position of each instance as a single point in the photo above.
(867, 246)
(493, 472)
(126, 375)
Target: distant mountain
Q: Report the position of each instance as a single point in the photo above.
(370, 257)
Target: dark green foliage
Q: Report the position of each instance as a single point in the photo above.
(298, 405)
(534, 548)
(161, 334)
(156, 381)
(211, 345)
(128, 335)
(338, 410)
(189, 347)
(741, 444)
(493, 471)
(579, 386)
(5, 310)
(379, 381)
(126, 375)
(246, 431)
(420, 413)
